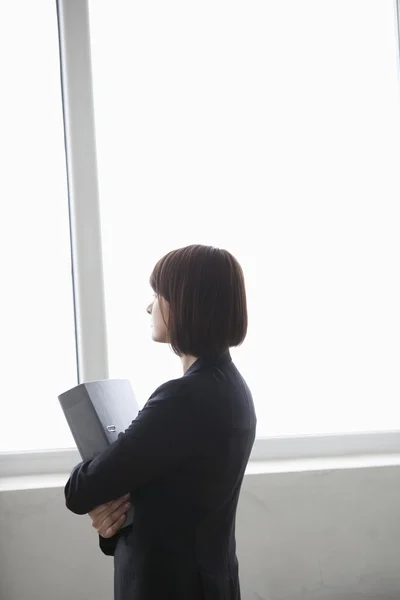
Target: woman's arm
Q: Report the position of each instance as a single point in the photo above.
(162, 435)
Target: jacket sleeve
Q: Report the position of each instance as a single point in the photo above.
(159, 439)
(108, 545)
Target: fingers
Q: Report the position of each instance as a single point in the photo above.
(108, 506)
(114, 528)
(108, 519)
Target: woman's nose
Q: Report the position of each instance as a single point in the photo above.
(149, 309)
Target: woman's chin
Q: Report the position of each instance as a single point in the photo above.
(154, 336)
(161, 339)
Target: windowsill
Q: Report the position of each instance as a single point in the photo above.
(333, 463)
(32, 482)
(51, 468)
(255, 467)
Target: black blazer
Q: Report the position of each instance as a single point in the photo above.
(182, 460)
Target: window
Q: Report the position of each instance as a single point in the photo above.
(37, 325)
(271, 129)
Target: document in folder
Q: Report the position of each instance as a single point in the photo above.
(97, 412)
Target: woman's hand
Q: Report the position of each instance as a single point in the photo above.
(108, 518)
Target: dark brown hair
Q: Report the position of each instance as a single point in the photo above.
(206, 292)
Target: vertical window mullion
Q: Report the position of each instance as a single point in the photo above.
(85, 227)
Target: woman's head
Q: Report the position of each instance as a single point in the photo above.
(200, 300)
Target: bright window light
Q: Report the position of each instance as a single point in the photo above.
(36, 319)
(270, 128)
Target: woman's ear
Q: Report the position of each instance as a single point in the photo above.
(164, 309)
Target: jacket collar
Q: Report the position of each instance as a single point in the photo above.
(209, 360)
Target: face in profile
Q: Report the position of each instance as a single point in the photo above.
(159, 327)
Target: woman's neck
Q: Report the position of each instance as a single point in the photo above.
(187, 361)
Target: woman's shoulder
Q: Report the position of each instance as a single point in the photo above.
(209, 395)
(183, 393)
(182, 386)
(174, 396)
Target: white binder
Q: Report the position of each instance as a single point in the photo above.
(96, 412)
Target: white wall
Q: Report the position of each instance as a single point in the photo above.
(325, 535)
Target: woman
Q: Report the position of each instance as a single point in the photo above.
(183, 458)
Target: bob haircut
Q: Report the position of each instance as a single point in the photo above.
(205, 289)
